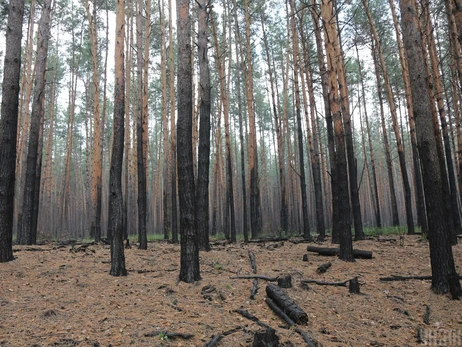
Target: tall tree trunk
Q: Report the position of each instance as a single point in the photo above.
(444, 274)
(240, 68)
(391, 180)
(438, 94)
(28, 235)
(394, 118)
(378, 216)
(202, 200)
(419, 193)
(140, 132)
(333, 57)
(189, 271)
(329, 125)
(255, 209)
(97, 164)
(284, 218)
(306, 226)
(116, 225)
(312, 136)
(9, 125)
(229, 167)
(173, 154)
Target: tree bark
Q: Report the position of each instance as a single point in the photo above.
(189, 271)
(202, 199)
(342, 196)
(28, 235)
(394, 118)
(442, 261)
(116, 225)
(9, 125)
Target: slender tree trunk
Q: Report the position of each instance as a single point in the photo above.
(116, 225)
(173, 167)
(202, 200)
(189, 271)
(280, 147)
(438, 94)
(9, 125)
(391, 180)
(255, 209)
(241, 126)
(394, 118)
(329, 124)
(140, 132)
(306, 226)
(444, 274)
(378, 216)
(420, 198)
(313, 137)
(28, 235)
(342, 197)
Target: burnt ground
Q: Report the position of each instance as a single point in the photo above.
(62, 295)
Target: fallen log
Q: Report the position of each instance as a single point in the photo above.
(269, 239)
(407, 278)
(321, 283)
(216, 338)
(168, 334)
(271, 304)
(250, 277)
(251, 317)
(357, 253)
(254, 289)
(253, 262)
(286, 304)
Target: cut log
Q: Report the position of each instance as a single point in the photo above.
(251, 317)
(285, 281)
(265, 338)
(213, 342)
(170, 335)
(254, 289)
(286, 304)
(270, 239)
(250, 277)
(354, 286)
(406, 278)
(253, 262)
(289, 321)
(323, 268)
(321, 283)
(357, 253)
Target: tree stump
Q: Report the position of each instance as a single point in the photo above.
(353, 286)
(285, 281)
(323, 268)
(265, 338)
(305, 257)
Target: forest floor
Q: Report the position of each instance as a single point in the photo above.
(63, 295)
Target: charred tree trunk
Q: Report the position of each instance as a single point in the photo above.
(28, 235)
(189, 271)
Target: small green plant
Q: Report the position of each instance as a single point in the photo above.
(163, 336)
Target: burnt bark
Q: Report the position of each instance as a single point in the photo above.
(8, 126)
(28, 234)
(442, 260)
(189, 271)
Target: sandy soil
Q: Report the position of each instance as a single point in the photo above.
(55, 295)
